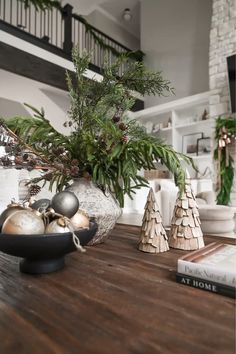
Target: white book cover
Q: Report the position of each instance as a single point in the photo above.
(215, 262)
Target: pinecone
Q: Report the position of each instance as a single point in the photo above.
(122, 126)
(116, 119)
(34, 189)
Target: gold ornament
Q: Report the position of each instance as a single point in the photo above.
(23, 222)
(11, 208)
(60, 225)
(80, 220)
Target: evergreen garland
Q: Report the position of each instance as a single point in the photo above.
(42, 4)
(226, 171)
(49, 4)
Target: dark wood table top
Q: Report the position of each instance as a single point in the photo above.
(113, 299)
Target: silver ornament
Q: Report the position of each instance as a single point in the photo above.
(65, 203)
(80, 220)
(41, 204)
(11, 209)
(23, 222)
(60, 225)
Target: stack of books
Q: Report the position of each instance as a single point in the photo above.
(212, 268)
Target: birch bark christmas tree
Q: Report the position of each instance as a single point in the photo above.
(153, 237)
(186, 233)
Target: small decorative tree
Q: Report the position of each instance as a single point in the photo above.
(153, 237)
(186, 233)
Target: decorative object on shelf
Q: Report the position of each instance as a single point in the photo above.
(203, 146)
(185, 232)
(23, 222)
(169, 123)
(108, 152)
(189, 143)
(99, 205)
(153, 237)
(225, 135)
(44, 253)
(205, 115)
(65, 203)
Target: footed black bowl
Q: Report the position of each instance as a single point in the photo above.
(44, 253)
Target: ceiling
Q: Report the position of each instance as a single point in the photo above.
(114, 9)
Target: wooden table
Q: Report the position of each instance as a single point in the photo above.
(112, 300)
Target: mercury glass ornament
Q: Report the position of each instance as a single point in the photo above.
(11, 208)
(80, 220)
(41, 204)
(65, 203)
(60, 225)
(23, 222)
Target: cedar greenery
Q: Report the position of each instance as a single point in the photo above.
(226, 169)
(104, 144)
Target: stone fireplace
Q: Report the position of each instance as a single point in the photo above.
(222, 45)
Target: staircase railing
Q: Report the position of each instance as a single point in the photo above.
(62, 29)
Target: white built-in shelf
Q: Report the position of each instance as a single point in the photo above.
(202, 123)
(167, 129)
(200, 157)
(185, 115)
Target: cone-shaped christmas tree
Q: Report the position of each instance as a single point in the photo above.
(185, 232)
(153, 237)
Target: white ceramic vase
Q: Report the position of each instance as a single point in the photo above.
(99, 205)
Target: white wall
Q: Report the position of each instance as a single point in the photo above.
(15, 90)
(175, 39)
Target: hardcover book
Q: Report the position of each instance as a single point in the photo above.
(206, 285)
(215, 263)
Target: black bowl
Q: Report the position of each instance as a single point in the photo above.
(44, 253)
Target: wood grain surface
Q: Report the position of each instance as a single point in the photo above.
(113, 299)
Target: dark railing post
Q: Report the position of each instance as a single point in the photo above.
(67, 17)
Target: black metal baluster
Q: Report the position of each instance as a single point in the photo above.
(61, 32)
(29, 18)
(26, 17)
(52, 39)
(41, 25)
(17, 12)
(4, 10)
(44, 23)
(21, 15)
(10, 11)
(56, 28)
(48, 31)
(35, 23)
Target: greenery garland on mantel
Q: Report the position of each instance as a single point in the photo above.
(49, 4)
(225, 134)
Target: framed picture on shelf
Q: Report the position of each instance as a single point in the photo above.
(189, 143)
(203, 146)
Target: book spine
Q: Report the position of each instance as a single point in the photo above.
(209, 273)
(206, 285)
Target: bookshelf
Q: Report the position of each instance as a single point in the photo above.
(181, 123)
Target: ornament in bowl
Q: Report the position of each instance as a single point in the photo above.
(43, 238)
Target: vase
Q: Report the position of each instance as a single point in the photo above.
(101, 206)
